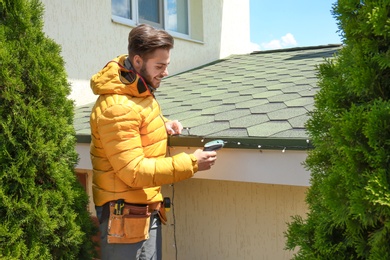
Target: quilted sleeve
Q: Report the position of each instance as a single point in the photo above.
(119, 130)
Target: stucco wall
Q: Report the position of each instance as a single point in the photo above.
(89, 38)
(235, 28)
(224, 220)
(258, 166)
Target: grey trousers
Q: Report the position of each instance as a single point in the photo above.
(149, 249)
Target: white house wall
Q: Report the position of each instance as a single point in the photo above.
(266, 166)
(235, 28)
(89, 38)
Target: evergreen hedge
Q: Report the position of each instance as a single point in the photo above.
(349, 196)
(43, 207)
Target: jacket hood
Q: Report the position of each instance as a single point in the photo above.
(114, 78)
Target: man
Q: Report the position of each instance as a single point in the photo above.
(128, 148)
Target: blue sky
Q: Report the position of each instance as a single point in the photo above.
(292, 23)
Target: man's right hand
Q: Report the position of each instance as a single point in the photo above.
(205, 159)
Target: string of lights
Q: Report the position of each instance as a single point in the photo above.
(187, 139)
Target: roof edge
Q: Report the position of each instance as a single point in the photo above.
(256, 143)
(83, 138)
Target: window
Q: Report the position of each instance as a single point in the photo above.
(177, 18)
(150, 11)
(172, 15)
(122, 8)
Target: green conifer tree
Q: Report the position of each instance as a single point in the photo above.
(349, 197)
(42, 206)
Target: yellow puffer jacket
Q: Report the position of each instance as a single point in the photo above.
(129, 141)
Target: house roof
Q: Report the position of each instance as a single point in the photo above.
(257, 100)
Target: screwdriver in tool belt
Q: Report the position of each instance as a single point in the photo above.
(119, 205)
(167, 204)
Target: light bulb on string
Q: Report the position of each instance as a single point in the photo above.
(250, 145)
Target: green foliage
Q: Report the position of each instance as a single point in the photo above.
(43, 207)
(349, 197)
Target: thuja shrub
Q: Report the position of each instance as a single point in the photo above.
(349, 197)
(43, 208)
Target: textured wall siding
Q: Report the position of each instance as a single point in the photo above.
(224, 220)
(89, 39)
(235, 33)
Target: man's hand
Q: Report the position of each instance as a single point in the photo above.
(173, 127)
(205, 159)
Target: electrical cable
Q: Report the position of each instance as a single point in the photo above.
(174, 220)
(173, 214)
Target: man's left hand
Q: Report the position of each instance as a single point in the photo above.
(173, 127)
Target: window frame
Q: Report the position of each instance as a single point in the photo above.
(161, 12)
(164, 18)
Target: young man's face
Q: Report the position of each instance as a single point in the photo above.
(155, 67)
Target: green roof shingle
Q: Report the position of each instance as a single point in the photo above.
(262, 95)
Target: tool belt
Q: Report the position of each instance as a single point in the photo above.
(130, 223)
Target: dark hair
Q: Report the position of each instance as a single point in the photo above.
(144, 40)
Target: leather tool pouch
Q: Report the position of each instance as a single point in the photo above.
(131, 226)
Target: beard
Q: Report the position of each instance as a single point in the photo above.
(146, 76)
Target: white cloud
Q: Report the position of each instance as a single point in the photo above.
(288, 40)
(285, 41)
(274, 44)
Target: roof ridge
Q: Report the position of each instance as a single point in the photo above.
(298, 49)
(200, 67)
(258, 52)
